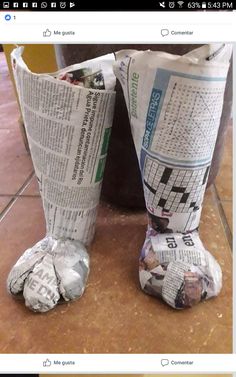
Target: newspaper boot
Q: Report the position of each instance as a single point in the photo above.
(68, 118)
(175, 105)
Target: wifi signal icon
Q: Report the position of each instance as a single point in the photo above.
(180, 3)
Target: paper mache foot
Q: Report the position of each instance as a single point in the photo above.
(53, 270)
(177, 268)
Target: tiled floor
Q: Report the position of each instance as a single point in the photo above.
(113, 315)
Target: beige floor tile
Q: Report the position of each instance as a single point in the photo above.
(9, 109)
(223, 180)
(15, 163)
(9, 115)
(228, 210)
(4, 201)
(6, 88)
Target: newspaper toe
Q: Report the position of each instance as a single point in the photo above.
(50, 270)
(177, 268)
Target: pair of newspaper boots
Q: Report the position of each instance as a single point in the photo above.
(174, 104)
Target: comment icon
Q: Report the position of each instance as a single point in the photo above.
(164, 362)
(164, 32)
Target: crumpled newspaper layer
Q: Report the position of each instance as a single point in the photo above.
(177, 268)
(51, 270)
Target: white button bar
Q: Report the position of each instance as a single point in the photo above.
(119, 33)
(117, 363)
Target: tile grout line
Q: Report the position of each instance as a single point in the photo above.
(16, 196)
(19, 192)
(223, 218)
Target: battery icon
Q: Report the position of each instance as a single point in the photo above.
(204, 5)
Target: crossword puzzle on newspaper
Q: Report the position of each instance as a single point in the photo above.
(174, 189)
(189, 120)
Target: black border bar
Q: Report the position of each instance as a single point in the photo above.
(119, 5)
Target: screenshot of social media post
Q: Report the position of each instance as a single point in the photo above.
(116, 198)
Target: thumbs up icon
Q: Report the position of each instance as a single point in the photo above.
(47, 363)
(47, 33)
